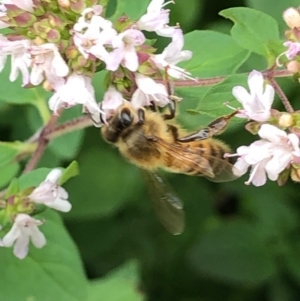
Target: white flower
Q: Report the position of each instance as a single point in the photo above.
(20, 60)
(124, 50)
(112, 100)
(156, 18)
(51, 194)
(48, 62)
(77, 89)
(92, 36)
(272, 154)
(172, 55)
(24, 229)
(148, 91)
(257, 104)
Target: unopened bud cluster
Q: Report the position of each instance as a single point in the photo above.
(291, 17)
(61, 44)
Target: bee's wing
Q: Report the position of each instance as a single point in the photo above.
(167, 205)
(225, 173)
(214, 168)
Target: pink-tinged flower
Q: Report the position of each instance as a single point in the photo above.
(23, 4)
(77, 89)
(270, 155)
(51, 194)
(149, 91)
(156, 18)
(20, 60)
(24, 229)
(92, 36)
(112, 100)
(292, 51)
(124, 50)
(172, 55)
(256, 104)
(291, 17)
(47, 62)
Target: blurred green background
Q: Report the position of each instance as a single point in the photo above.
(240, 242)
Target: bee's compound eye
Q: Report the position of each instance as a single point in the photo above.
(125, 117)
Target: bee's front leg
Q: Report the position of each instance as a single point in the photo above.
(216, 127)
(172, 108)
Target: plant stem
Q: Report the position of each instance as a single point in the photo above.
(281, 95)
(216, 80)
(42, 143)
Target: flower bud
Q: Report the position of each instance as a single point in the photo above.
(64, 3)
(285, 120)
(291, 17)
(293, 66)
(295, 174)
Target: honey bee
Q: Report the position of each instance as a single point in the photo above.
(155, 141)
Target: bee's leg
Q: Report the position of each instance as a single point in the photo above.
(153, 106)
(216, 127)
(141, 116)
(172, 108)
(101, 115)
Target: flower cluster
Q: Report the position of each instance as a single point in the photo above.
(277, 153)
(21, 205)
(47, 47)
(291, 17)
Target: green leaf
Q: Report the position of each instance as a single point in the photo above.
(33, 178)
(252, 29)
(52, 273)
(8, 172)
(273, 8)
(71, 171)
(106, 182)
(212, 103)
(9, 150)
(207, 58)
(274, 216)
(233, 253)
(118, 285)
(13, 92)
(13, 188)
(134, 9)
(67, 146)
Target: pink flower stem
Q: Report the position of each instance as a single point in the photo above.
(281, 95)
(270, 75)
(215, 80)
(42, 143)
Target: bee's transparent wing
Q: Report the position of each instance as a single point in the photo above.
(167, 205)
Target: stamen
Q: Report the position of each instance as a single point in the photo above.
(228, 155)
(252, 174)
(278, 57)
(169, 2)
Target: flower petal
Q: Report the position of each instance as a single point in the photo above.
(256, 83)
(21, 246)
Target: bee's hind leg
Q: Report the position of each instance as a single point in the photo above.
(216, 127)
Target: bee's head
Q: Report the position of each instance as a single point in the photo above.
(118, 123)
